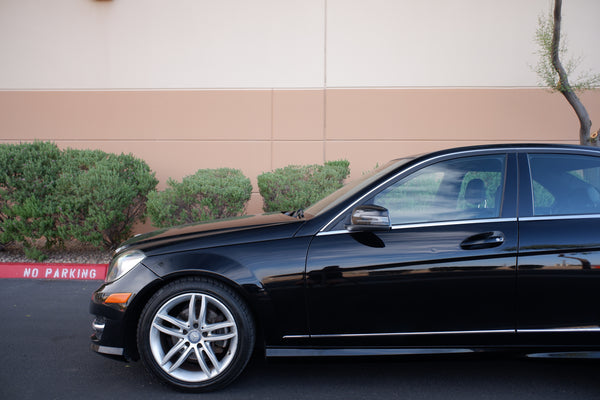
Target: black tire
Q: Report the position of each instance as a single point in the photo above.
(184, 350)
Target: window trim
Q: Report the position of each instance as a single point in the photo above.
(559, 217)
(422, 164)
(526, 210)
(433, 224)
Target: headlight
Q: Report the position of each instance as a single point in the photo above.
(123, 263)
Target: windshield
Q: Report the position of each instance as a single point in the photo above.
(349, 189)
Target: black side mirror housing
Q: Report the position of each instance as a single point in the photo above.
(368, 218)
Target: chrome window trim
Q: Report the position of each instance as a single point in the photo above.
(558, 217)
(330, 233)
(454, 222)
(432, 224)
(561, 330)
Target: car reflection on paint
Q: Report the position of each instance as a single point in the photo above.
(473, 249)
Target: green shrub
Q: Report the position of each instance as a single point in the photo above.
(74, 161)
(296, 187)
(55, 195)
(208, 194)
(28, 177)
(101, 196)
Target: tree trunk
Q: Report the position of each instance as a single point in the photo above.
(564, 86)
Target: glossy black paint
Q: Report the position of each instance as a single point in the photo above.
(513, 282)
(411, 273)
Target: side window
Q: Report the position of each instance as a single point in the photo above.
(464, 188)
(565, 184)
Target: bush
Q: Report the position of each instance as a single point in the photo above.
(28, 177)
(208, 194)
(101, 196)
(297, 187)
(55, 195)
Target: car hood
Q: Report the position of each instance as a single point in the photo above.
(214, 233)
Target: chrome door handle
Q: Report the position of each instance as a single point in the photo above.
(483, 241)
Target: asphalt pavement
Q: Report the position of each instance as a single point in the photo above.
(45, 329)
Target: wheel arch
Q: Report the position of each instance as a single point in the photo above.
(141, 299)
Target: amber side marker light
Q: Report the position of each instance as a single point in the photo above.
(117, 298)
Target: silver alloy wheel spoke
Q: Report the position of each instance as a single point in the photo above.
(202, 363)
(181, 359)
(172, 352)
(219, 337)
(220, 325)
(202, 315)
(174, 321)
(192, 310)
(211, 356)
(168, 331)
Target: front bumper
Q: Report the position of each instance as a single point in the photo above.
(98, 326)
(115, 323)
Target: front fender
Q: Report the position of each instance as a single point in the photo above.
(269, 276)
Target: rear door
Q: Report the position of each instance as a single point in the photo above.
(559, 254)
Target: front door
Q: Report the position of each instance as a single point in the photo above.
(446, 271)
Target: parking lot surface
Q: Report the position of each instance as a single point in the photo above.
(45, 328)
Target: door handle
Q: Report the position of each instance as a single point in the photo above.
(483, 241)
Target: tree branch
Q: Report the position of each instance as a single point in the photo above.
(563, 83)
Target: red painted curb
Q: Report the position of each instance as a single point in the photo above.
(62, 271)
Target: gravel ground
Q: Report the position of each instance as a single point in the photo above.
(72, 253)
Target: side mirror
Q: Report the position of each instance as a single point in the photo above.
(370, 218)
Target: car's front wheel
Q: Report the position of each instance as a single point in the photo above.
(196, 334)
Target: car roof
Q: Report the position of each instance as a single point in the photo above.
(508, 147)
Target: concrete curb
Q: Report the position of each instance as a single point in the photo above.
(56, 271)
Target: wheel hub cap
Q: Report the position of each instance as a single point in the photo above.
(194, 337)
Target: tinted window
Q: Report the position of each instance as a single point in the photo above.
(465, 188)
(349, 189)
(565, 184)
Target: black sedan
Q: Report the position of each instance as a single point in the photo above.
(465, 250)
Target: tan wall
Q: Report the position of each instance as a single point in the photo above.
(178, 132)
